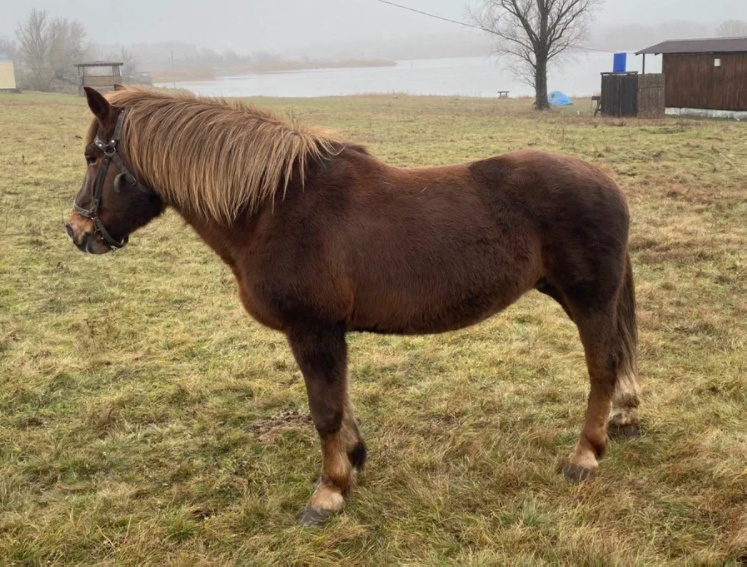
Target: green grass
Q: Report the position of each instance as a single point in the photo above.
(145, 419)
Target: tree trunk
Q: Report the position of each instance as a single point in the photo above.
(540, 85)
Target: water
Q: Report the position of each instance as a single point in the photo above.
(463, 76)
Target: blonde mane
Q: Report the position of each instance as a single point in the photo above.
(210, 156)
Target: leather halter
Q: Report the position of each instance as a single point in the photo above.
(110, 154)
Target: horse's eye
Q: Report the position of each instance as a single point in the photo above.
(90, 160)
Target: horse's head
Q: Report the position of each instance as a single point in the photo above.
(112, 202)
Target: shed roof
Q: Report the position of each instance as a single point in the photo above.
(99, 63)
(709, 45)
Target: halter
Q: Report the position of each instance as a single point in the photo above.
(110, 154)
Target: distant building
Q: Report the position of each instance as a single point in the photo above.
(7, 74)
(101, 75)
(704, 76)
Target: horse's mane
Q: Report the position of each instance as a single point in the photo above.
(211, 156)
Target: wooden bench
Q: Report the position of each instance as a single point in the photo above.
(503, 94)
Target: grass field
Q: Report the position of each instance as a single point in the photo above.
(145, 419)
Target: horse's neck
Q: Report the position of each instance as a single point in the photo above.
(225, 240)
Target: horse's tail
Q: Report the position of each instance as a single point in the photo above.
(627, 331)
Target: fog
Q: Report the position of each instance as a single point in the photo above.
(363, 28)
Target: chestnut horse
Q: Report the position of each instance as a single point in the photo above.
(325, 239)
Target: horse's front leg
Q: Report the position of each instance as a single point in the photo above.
(321, 354)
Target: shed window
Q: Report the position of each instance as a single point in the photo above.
(717, 62)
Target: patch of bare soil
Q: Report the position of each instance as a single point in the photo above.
(270, 429)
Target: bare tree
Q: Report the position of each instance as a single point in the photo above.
(732, 28)
(34, 46)
(67, 40)
(535, 32)
(130, 67)
(48, 49)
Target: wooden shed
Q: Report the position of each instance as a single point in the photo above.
(7, 74)
(101, 75)
(631, 94)
(707, 74)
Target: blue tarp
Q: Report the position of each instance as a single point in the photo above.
(556, 98)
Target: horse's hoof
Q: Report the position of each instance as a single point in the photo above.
(625, 430)
(576, 473)
(314, 517)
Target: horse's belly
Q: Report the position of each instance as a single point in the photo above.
(423, 313)
(437, 290)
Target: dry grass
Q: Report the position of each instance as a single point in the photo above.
(144, 419)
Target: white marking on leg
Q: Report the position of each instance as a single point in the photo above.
(625, 401)
(327, 498)
(338, 474)
(583, 457)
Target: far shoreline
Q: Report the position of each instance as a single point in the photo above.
(211, 73)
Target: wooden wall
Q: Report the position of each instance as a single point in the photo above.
(651, 96)
(693, 81)
(7, 75)
(630, 94)
(101, 80)
(102, 83)
(619, 94)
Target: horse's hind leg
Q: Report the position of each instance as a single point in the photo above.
(623, 420)
(322, 357)
(608, 332)
(597, 336)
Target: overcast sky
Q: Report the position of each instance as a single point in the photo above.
(281, 25)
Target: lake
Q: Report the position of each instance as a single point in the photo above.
(578, 76)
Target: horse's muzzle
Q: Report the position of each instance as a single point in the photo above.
(87, 242)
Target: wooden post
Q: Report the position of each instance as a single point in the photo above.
(644, 63)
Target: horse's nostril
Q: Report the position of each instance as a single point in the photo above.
(69, 230)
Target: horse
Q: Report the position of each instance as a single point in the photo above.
(325, 239)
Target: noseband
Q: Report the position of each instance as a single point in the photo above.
(110, 154)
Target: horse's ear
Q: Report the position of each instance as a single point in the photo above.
(119, 87)
(98, 104)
